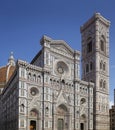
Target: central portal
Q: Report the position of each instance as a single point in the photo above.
(82, 126)
(62, 118)
(33, 119)
(83, 122)
(32, 125)
(60, 124)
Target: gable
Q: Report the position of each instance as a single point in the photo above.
(61, 47)
(58, 47)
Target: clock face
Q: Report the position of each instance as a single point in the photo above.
(60, 70)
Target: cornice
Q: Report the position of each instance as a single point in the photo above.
(93, 19)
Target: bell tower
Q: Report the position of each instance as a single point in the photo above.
(95, 66)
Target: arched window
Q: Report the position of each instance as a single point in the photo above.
(104, 84)
(89, 45)
(34, 77)
(101, 83)
(102, 45)
(39, 79)
(87, 68)
(101, 65)
(91, 66)
(104, 66)
(29, 76)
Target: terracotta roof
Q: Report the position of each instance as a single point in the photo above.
(5, 74)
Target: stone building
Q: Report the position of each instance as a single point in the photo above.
(48, 94)
(95, 66)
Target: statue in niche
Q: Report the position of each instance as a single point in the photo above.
(47, 110)
(22, 108)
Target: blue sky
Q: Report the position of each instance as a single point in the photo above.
(24, 22)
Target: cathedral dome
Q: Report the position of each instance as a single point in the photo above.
(7, 71)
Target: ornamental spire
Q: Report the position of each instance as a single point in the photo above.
(11, 60)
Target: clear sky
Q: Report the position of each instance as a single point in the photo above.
(24, 22)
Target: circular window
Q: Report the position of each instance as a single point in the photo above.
(34, 91)
(62, 67)
(83, 100)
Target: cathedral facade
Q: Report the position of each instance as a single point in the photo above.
(48, 93)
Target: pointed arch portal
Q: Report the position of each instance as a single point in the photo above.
(62, 117)
(83, 122)
(33, 119)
